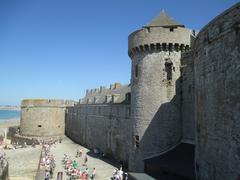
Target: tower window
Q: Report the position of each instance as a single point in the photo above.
(168, 68)
(136, 71)
(171, 29)
(136, 139)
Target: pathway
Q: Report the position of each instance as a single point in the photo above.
(103, 170)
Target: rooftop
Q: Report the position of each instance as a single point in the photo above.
(163, 20)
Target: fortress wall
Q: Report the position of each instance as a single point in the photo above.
(217, 85)
(187, 98)
(100, 126)
(42, 117)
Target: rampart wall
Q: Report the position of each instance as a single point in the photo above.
(187, 98)
(217, 85)
(103, 126)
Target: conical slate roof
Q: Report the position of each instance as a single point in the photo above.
(163, 20)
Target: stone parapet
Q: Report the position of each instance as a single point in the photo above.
(159, 39)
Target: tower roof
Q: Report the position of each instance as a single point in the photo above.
(163, 20)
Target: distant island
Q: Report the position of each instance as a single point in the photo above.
(9, 108)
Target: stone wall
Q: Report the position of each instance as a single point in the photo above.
(187, 98)
(217, 85)
(103, 126)
(43, 117)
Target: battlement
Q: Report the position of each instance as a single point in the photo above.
(219, 27)
(46, 103)
(159, 39)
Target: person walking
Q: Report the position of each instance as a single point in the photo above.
(85, 160)
(93, 173)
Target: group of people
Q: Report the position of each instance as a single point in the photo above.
(47, 161)
(2, 159)
(119, 174)
(75, 170)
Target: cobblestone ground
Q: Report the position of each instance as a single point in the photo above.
(23, 163)
(103, 170)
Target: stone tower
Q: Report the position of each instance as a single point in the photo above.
(43, 117)
(155, 50)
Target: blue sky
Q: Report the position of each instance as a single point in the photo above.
(60, 48)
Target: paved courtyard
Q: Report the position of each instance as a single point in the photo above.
(103, 169)
(23, 163)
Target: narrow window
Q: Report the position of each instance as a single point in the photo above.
(128, 111)
(136, 71)
(168, 69)
(136, 139)
(171, 29)
(128, 97)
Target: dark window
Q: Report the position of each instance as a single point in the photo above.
(128, 97)
(168, 69)
(136, 141)
(171, 29)
(136, 71)
(39, 125)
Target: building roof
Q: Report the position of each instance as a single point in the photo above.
(163, 20)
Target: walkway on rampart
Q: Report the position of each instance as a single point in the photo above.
(103, 170)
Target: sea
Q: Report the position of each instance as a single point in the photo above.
(9, 114)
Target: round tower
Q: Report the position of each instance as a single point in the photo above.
(155, 51)
(42, 117)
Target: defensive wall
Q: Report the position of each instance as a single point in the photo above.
(187, 98)
(101, 120)
(43, 117)
(217, 86)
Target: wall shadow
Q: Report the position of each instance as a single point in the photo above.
(164, 134)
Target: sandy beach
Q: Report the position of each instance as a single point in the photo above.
(5, 123)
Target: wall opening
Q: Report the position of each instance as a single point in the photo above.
(128, 97)
(136, 71)
(168, 68)
(136, 141)
(39, 125)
